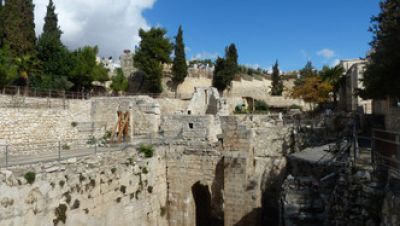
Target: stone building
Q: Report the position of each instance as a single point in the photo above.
(127, 63)
(354, 72)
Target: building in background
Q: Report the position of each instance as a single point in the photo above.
(348, 100)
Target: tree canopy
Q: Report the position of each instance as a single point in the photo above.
(19, 27)
(382, 78)
(226, 68)
(334, 76)
(154, 50)
(314, 90)
(179, 67)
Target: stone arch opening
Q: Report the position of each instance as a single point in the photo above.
(202, 199)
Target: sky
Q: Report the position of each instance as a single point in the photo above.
(290, 31)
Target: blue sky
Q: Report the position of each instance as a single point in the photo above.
(293, 32)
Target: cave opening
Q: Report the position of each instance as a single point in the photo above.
(202, 199)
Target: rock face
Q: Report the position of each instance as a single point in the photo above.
(108, 189)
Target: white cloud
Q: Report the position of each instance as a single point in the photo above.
(326, 53)
(111, 24)
(205, 55)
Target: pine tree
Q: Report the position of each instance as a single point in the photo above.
(154, 50)
(19, 27)
(277, 85)
(381, 78)
(52, 53)
(179, 68)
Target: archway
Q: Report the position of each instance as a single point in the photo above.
(202, 199)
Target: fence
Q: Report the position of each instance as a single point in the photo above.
(386, 150)
(20, 154)
(58, 150)
(62, 94)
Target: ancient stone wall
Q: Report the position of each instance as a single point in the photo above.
(117, 189)
(39, 120)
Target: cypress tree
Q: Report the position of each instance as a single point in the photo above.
(19, 27)
(179, 68)
(277, 85)
(381, 79)
(52, 53)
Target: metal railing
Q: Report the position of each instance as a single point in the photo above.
(60, 150)
(386, 150)
(62, 94)
(49, 151)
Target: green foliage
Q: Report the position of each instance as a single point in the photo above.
(226, 69)
(381, 78)
(179, 67)
(307, 71)
(209, 62)
(30, 177)
(55, 57)
(66, 147)
(277, 84)
(147, 150)
(92, 140)
(154, 50)
(334, 76)
(1, 24)
(295, 106)
(119, 82)
(150, 189)
(241, 109)
(8, 70)
(260, 105)
(74, 124)
(85, 69)
(19, 27)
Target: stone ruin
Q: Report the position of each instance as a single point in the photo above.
(209, 168)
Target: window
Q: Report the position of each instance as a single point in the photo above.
(189, 112)
(190, 125)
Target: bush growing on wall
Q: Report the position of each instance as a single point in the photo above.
(30, 177)
(147, 150)
(260, 105)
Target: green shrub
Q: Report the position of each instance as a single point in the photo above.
(147, 150)
(145, 171)
(295, 106)
(240, 109)
(92, 140)
(260, 105)
(30, 177)
(150, 189)
(74, 124)
(66, 147)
